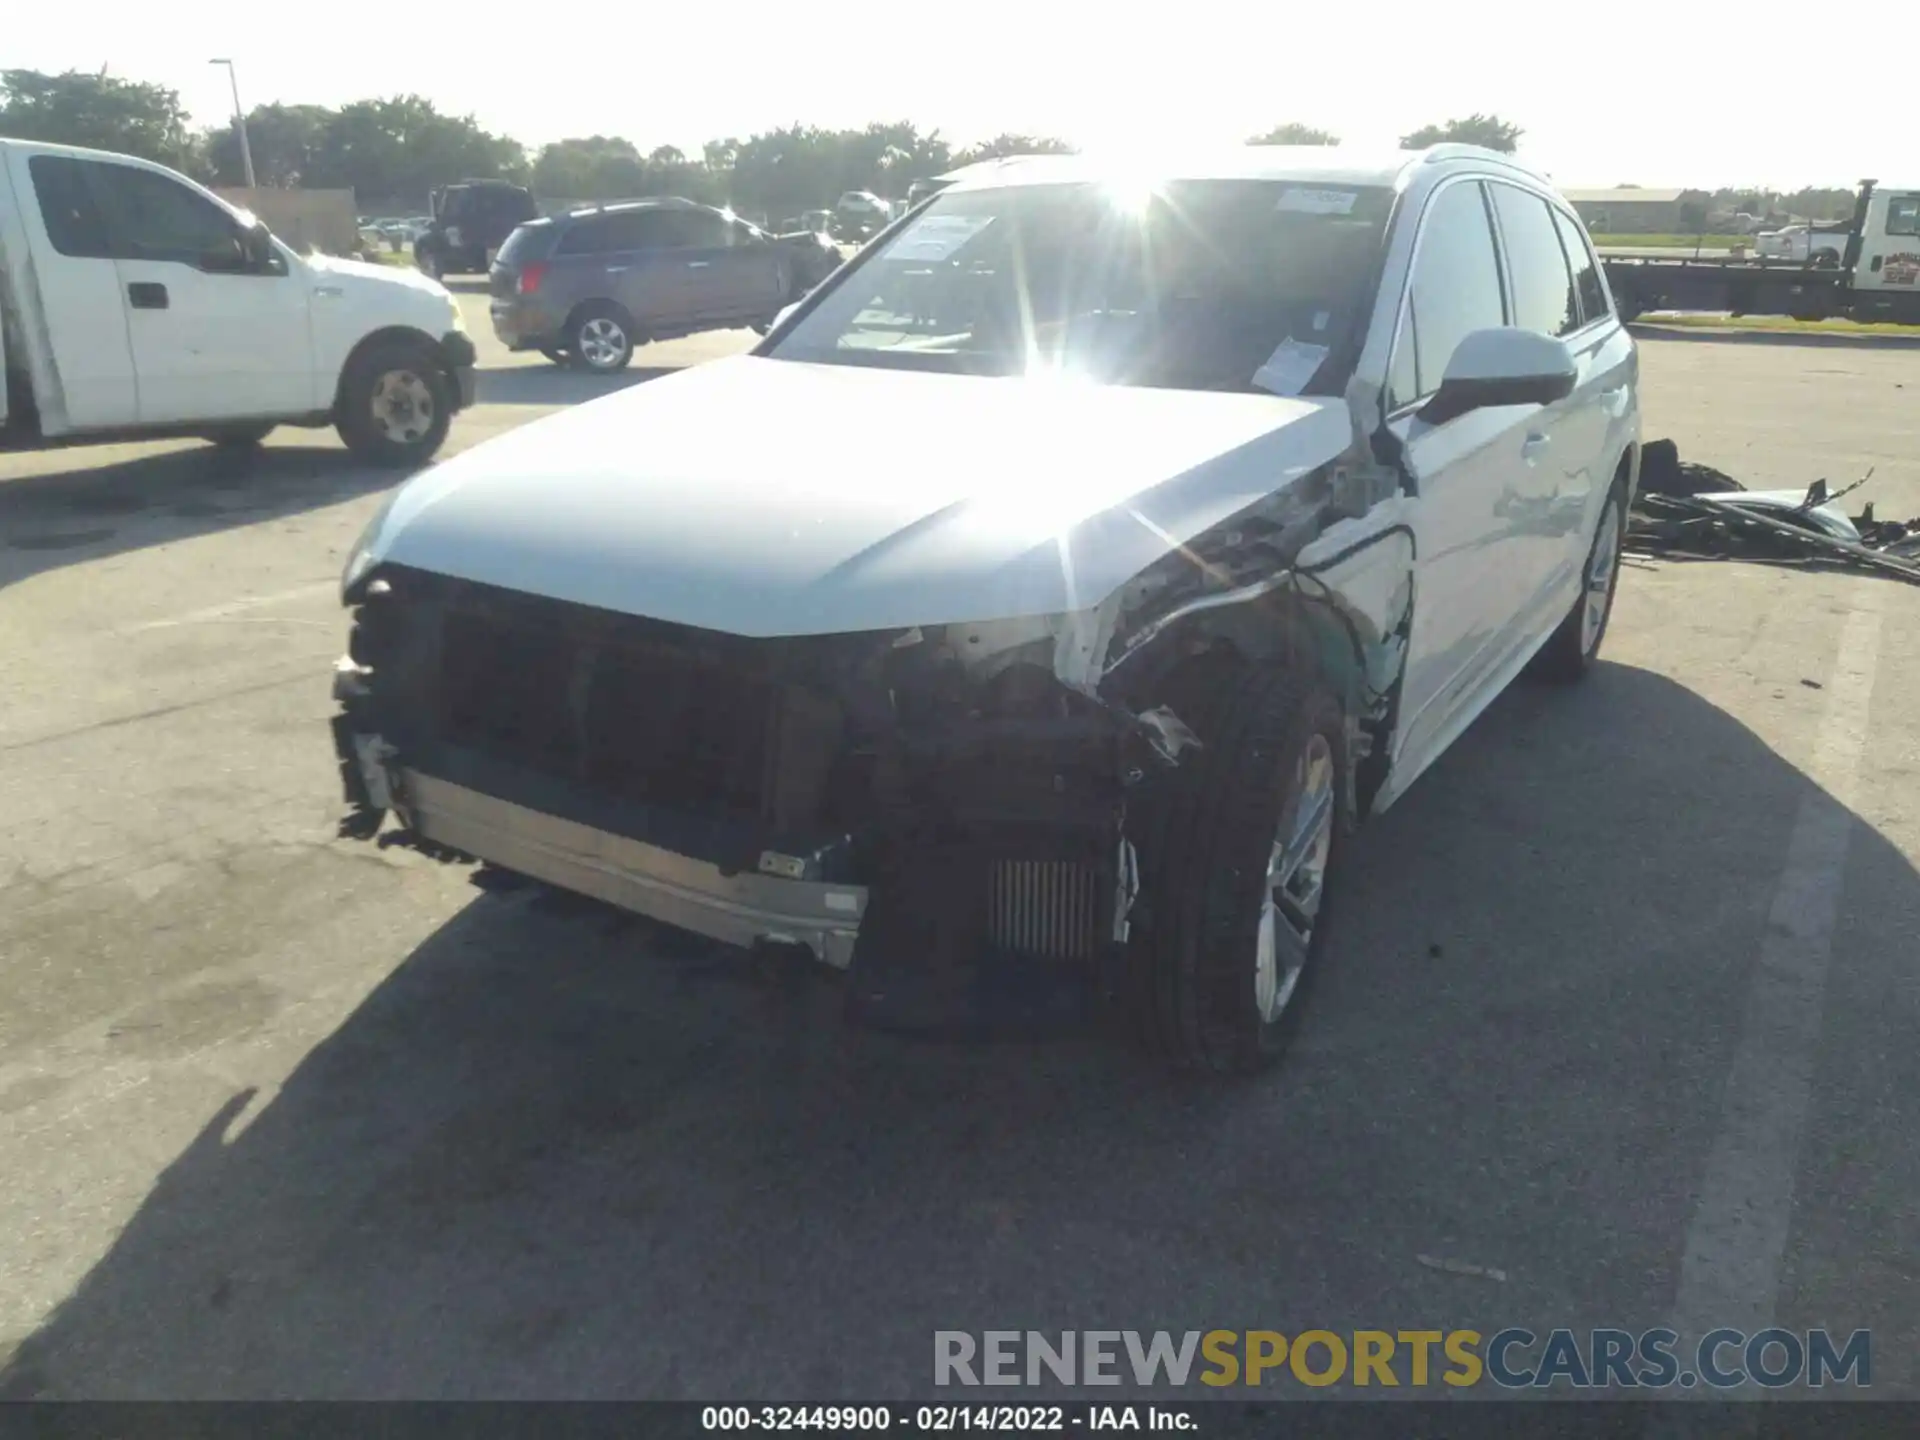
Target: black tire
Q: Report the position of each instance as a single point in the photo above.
(240, 437)
(1826, 259)
(1571, 652)
(592, 329)
(1205, 842)
(395, 404)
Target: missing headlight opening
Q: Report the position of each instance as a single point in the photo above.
(906, 802)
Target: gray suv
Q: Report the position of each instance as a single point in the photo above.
(588, 287)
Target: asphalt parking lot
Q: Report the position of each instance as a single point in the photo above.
(1619, 1014)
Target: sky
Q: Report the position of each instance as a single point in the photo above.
(1709, 102)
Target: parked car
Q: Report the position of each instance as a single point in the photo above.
(135, 303)
(471, 220)
(591, 286)
(1255, 484)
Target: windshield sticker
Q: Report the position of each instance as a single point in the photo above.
(1289, 368)
(936, 237)
(1316, 202)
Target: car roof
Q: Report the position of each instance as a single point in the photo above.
(1313, 164)
(627, 207)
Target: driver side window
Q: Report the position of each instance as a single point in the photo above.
(1454, 290)
(153, 217)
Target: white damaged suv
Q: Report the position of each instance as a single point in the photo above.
(1053, 588)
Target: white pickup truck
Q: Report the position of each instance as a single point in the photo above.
(1822, 243)
(137, 304)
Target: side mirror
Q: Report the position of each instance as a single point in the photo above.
(258, 242)
(1502, 366)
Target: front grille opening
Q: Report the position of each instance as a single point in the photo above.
(647, 722)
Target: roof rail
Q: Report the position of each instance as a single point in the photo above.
(1461, 150)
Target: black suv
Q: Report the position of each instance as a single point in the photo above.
(471, 220)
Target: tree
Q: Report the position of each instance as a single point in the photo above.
(283, 139)
(403, 147)
(800, 167)
(1004, 145)
(1294, 133)
(100, 111)
(607, 167)
(1477, 129)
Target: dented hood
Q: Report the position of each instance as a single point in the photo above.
(769, 497)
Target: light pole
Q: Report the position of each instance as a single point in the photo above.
(239, 119)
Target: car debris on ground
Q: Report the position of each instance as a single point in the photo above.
(1691, 511)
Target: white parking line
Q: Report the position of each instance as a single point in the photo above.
(232, 607)
(1730, 1272)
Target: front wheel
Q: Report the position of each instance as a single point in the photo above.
(1572, 649)
(395, 405)
(1236, 853)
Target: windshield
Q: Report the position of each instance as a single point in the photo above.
(1196, 287)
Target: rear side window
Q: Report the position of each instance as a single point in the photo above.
(695, 229)
(1543, 296)
(1454, 291)
(627, 230)
(586, 237)
(1586, 271)
(67, 205)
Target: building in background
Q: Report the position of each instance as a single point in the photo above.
(1632, 211)
(305, 219)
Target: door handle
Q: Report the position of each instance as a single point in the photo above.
(1532, 447)
(146, 295)
(698, 264)
(327, 292)
(616, 269)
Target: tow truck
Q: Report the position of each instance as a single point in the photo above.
(1875, 275)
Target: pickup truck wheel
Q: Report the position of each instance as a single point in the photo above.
(395, 405)
(601, 340)
(239, 437)
(1571, 651)
(1235, 856)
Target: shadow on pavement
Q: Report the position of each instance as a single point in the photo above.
(1732, 335)
(56, 508)
(555, 384)
(538, 1162)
